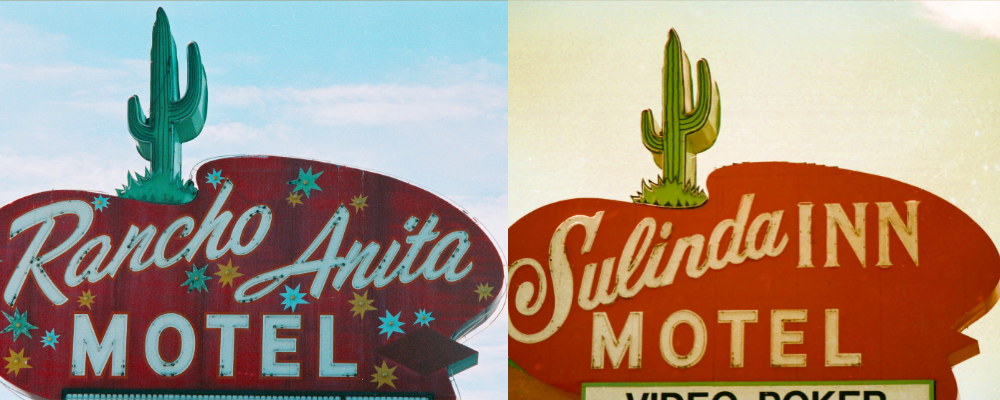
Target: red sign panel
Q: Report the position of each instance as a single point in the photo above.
(789, 273)
(282, 275)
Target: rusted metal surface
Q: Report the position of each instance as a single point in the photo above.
(282, 275)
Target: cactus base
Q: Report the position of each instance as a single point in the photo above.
(158, 188)
(670, 194)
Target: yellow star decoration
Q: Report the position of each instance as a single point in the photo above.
(86, 299)
(294, 198)
(484, 291)
(359, 202)
(17, 361)
(227, 273)
(382, 375)
(361, 304)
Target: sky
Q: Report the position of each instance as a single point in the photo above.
(417, 91)
(905, 90)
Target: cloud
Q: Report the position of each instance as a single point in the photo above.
(26, 41)
(443, 92)
(974, 18)
(374, 104)
(449, 135)
(109, 107)
(237, 96)
(29, 54)
(61, 73)
(395, 104)
(26, 174)
(491, 212)
(443, 71)
(238, 132)
(489, 378)
(438, 124)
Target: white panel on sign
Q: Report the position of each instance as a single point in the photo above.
(858, 390)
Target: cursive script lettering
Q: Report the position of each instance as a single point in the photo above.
(135, 241)
(634, 252)
(359, 258)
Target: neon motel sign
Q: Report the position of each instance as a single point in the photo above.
(795, 281)
(263, 276)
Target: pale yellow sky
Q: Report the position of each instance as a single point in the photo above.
(904, 90)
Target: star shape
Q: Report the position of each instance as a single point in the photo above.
(306, 181)
(215, 178)
(227, 273)
(361, 304)
(359, 202)
(18, 324)
(390, 324)
(294, 198)
(423, 318)
(86, 299)
(100, 203)
(293, 297)
(50, 339)
(484, 290)
(18, 361)
(196, 279)
(384, 376)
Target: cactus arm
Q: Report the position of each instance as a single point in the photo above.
(137, 121)
(190, 111)
(193, 96)
(694, 122)
(650, 137)
(140, 130)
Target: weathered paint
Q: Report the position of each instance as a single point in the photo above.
(168, 323)
(796, 321)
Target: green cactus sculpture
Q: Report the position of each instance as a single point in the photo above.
(687, 130)
(173, 120)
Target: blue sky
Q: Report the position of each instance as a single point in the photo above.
(417, 91)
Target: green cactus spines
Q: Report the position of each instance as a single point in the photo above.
(687, 129)
(173, 120)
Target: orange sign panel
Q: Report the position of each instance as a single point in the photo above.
(789, 273)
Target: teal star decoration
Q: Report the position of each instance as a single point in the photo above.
(293, 297)
(50, 339)
(18, 324)
(100, 202)
(196, 279)
(390, 324)
(423, 318)
(306, 181)
(215, 178)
